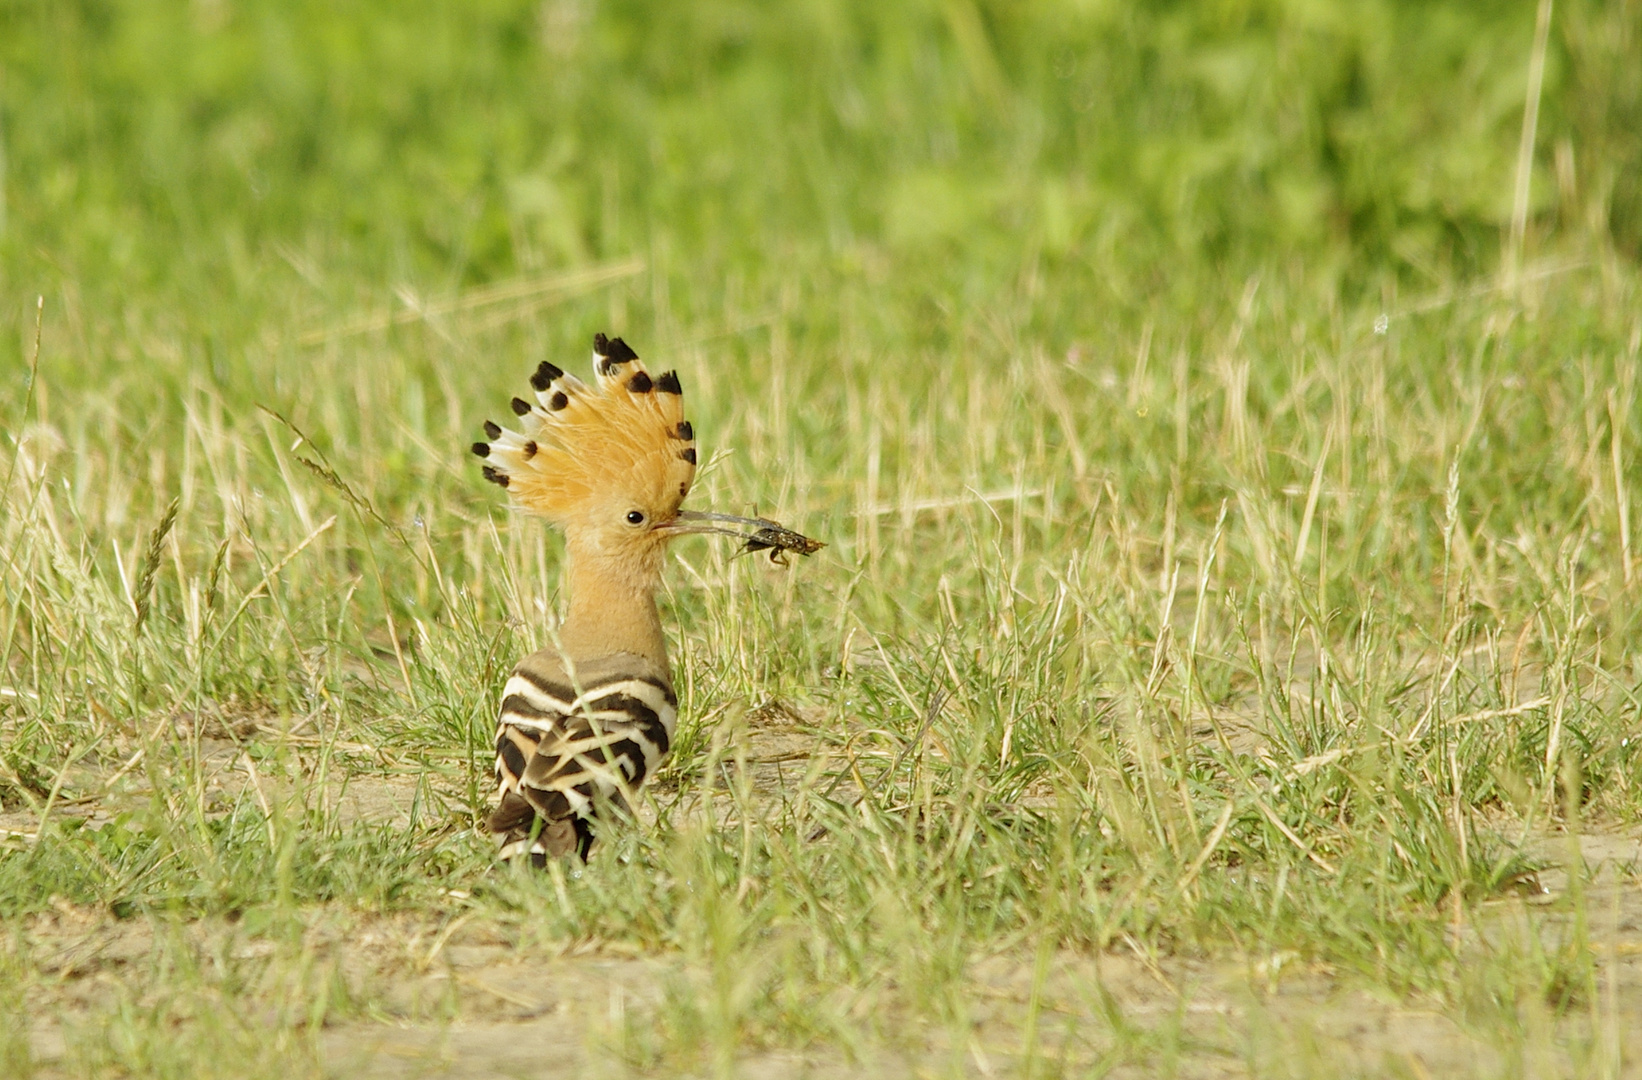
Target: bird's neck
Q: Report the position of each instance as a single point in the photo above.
(610, 613)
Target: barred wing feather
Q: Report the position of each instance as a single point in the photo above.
(568, 740)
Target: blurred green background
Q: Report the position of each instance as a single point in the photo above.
(166, 154)
(859, 207)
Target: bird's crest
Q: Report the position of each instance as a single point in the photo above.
(577, 442)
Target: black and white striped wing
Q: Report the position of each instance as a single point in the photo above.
(566, 741)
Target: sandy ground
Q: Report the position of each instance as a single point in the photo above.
(462, 1003)
(452, 999)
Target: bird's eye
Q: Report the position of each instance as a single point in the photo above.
(635, 517)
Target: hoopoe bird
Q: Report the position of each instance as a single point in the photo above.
(584, 722)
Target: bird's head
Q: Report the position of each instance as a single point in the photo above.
(610, 462)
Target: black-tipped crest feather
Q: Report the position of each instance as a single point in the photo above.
(544, 376)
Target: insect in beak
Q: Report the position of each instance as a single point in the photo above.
(757, 534)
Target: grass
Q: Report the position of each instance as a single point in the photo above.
(1224, 633)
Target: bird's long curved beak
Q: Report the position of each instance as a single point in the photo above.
(699, 521)
(757, 534)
